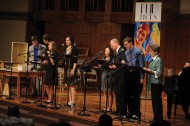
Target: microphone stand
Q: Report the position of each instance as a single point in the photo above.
(10, 84)
(10, 81)
(41, 105)
(104, 64)
(54, 86)
(86, 68)
(27, 80)
(68, 87)
(68, 79)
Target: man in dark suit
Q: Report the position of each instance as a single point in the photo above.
(119, 79)
(184, 86)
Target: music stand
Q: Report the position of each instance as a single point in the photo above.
(86, 68)
(10, 81)
(120, 67)
(138, 70)
(104, 66)
(40, 91)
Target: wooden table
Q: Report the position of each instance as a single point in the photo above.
(19, 74)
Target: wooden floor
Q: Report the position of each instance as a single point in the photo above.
(92, 108)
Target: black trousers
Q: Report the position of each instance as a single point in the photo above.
(156, 91)
(185, 101)
(133, 92)
(120, 92)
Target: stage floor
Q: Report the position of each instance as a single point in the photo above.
(43, 116)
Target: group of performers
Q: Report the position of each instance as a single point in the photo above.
(120, 74)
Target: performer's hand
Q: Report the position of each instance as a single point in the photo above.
(141, 81)
(149, 70)
(123, 61)
(71, 73)
(146, 69)
(52, 61)
(112, 66)
(45, 62)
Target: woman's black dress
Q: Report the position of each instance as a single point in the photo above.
(106, 79)
(71, 58)
(51, 76)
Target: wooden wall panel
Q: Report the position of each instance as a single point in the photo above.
(175, 32)
(95, 36)
(175, 44)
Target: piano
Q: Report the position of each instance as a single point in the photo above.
(171, 87)
(177, 89)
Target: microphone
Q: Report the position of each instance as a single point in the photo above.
(61, 45)
(99, 52)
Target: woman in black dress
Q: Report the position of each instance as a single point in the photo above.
(106, 79)
(51, 76)
(70, 70)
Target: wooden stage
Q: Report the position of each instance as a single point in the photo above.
(44, 116)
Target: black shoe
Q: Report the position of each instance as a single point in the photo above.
(187, 116)
(67, 105)
(34, 95)
(115, 113)
(127, 116)
(152, 121)
(48, 102)
(134, 118)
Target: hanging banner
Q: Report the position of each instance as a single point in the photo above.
(146, 33)
(147, 26)
(148, 12)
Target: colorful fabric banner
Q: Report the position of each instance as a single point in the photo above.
(145, 34)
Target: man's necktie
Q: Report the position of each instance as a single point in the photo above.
(130, 59)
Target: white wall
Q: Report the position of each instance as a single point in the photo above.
(10, 31)
(184, 6)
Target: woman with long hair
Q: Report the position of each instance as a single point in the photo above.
(51, 76)
(70, 70)
(106, 79)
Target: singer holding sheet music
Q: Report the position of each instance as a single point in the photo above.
(134, 57)
(70, 70)
(51, 76)
(46, 40)
(106, 79)
(118, 75)
(155, 79)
